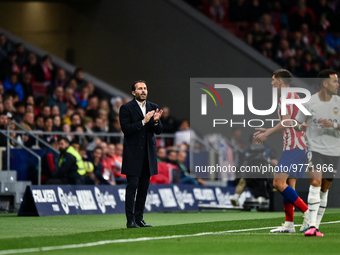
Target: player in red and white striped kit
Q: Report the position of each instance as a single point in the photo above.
(294, 153)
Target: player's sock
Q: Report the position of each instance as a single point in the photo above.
(313, 204)
(292, 197)
(322, 207)
(236, 196)
(241, 186)
(289, 210)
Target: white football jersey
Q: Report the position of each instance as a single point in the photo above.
(325, 141)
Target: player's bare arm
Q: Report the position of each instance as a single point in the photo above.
(328, 124)
(263, 133)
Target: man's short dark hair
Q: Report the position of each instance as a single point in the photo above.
(134, 84)
(325, 74)
(19, 104)
(3, 113)
(48, 117)
(283, 74)
(65, 139)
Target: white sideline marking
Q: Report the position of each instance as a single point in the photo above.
(72, 246)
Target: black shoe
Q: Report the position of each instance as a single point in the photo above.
(132, 224)
(142, 224)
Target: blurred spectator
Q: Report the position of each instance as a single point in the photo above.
(31, 66)
(116, 103)
(267, 49)
(82, 97)
(299, 15)
(30, 100)
(305, 33)
(3, 126)
(5, 45)
(184, 135)
(30, 108)
(217, 11)
(55, 111)
(59, 81)
(170, 125)
(267, 26)
(98, 167)
(19, 111)
(323, 26)
(49, 161)
(333, 40)
(161, 154)
(44, 70)
(27, 84)
(257, 35)
(316, 48)
(81, 139)
(91, 88)
(67, 128)
(98, 127)
(78, 75)
(46, 111)
(71, 168)
(185, 174)
(69, 98)
(279, 18)
(8, 103)
(115, 128)
(28, 124)
(237, 145)
(92, 106)
(39, 123)
(107, 162)
(58, 99)
(48, 127)
(56, 123)
(284, 52)
(118, 160)
(21, 54)
(39, 103)
(9, 65)
(307, 62)
(257, 10)
(297, 42)
(249, 39)
(72, 83)
(322, 8)
(12, 83)
(76, 121)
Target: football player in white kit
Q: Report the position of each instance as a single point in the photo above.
(323, 145)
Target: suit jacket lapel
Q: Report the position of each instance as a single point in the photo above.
(148, 107)
(137, 108)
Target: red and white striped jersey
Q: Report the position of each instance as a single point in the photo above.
(292, 139)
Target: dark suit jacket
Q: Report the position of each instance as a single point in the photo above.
(138, 139)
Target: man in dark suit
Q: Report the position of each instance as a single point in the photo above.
(139, 120)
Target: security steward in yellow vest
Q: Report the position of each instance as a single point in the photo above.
(71, 168)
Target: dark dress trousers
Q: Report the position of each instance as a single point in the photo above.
(139, 155)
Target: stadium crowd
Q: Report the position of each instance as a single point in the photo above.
(302, 36)
(45, 98)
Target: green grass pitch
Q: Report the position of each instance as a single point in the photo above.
(230, 232)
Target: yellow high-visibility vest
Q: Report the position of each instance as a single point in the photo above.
(80, 163)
